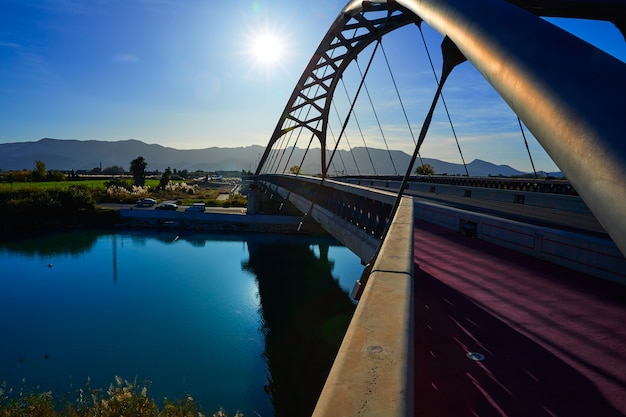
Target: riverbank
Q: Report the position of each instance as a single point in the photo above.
(218, 220)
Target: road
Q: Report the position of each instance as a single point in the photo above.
(223, 210)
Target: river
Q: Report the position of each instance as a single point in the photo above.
(244, 322)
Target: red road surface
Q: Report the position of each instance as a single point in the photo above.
(553, 340)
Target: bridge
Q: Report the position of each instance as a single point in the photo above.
(460, 313)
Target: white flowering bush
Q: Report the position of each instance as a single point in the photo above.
(115, 192)
(181, 186)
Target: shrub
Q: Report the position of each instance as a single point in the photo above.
(34, 208)
(181, 187)
(123, 398)
(125, 183)
(120, 193)
(56, 176)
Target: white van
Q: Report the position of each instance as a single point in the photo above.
(196, 207)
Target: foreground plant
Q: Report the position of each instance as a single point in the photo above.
(122, 399)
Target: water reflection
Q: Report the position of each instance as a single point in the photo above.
(220, 317)
(74, 243)
(305, 315)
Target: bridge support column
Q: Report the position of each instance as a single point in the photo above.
(254, 199)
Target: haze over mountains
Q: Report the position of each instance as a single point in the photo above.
(65, 155)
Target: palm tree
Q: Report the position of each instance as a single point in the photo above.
(295, 170)
(425, 169)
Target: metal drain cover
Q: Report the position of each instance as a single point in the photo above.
(475, 356)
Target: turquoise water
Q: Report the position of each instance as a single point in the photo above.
(246, 322)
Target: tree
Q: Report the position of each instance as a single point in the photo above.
(165, 178)
(115, 170)
(56, 176)
(295, 170)
(138, 170)
(425, 169)
(40, 173)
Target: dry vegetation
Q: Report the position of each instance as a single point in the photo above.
(123, 398)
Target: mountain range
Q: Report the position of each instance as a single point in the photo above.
(85, 155)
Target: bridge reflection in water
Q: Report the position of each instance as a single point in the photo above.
(305, 316)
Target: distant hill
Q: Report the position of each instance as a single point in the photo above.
(59, 154)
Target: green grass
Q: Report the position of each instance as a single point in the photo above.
(52, 185)
(64, 185)
(97, 189)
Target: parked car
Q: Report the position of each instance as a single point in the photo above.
(167, 206)
(196, 207)
(146, 202)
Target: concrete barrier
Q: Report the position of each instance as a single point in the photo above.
(373, 373)
(567, 203)
(591, 255)
(220, 222)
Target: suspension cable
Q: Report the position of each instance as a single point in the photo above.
(277, 160)
(400, 100)
(349, 147)
(345, 169)
(443, 100)
(293, 148)
(345, 124)
(451, 58)
(360, 130)
(374, 110)
(527, 148)
(318, 87)
(356, 96)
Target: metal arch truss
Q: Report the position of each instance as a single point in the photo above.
(357, 26)
(568, 93)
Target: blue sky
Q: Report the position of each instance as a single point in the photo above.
(186, 74)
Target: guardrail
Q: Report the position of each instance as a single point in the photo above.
(551, 186)
(367, 210)
(354, 215)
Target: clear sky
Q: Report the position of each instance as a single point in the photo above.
(199, 73)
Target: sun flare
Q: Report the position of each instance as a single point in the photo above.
(267, 48)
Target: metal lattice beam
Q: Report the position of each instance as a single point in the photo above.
(356, 27)
(568, 93)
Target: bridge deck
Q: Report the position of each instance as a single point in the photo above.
(554, 340)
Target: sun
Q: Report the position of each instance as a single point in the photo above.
(267, 48)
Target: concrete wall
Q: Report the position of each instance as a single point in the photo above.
(546, 200)
(373, 373)
(226, 222)
(363, 245)
(594, 256)
(591, 255)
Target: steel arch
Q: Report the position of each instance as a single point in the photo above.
(568, 93)
(352, 31)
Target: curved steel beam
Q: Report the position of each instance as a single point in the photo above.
(613, 11)
(309, 104)
(569, 94)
